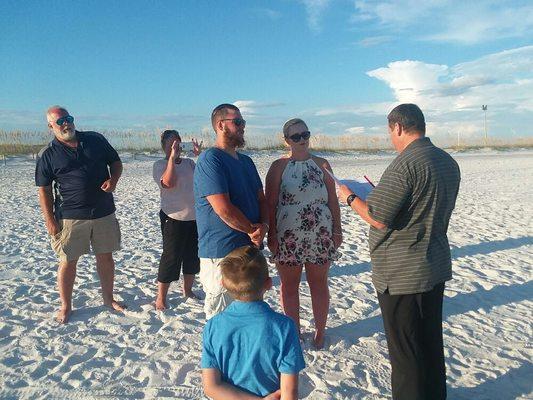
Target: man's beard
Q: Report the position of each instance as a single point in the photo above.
(68, 134)
(234, 139)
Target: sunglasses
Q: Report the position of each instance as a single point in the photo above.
(69, 119)
(298, 136)
(237, 121)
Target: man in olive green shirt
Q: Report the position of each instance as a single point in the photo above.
(409, 211)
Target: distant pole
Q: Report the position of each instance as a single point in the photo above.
(484, 108)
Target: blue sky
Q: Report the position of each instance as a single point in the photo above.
(340, 65)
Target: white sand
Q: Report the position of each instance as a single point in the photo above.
(146, 354)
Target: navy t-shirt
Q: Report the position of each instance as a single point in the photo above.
(217, 172)
(78, 174)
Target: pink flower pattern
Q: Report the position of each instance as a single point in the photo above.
(304, 222)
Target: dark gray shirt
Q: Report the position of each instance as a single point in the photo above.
(414, 199)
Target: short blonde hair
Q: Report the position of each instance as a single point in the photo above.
(244, 272)
(291, 122)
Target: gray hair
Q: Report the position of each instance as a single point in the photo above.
(54, 108)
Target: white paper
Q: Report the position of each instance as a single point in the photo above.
(360, 186)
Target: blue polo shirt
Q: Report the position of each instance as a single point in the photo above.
(251, 344)
(218, 172)
(78, 174)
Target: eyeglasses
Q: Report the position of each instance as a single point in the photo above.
(236, 121)
(68, 119)
(298, 136)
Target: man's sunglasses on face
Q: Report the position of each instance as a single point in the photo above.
(237, 121)
(298, 136)
(68, 119)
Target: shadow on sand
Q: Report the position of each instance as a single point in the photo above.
(515, 382)
(490, 247)
(510, 385)
(459, 304)
(457, 252)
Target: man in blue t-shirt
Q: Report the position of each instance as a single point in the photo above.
(79, 211)
(249, 348)
(231, 209)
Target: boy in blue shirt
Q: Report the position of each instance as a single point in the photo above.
(249, 350)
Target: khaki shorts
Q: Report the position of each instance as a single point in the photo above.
(217, 297)
(78, 236)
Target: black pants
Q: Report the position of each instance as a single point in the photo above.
(180, 250)
(413, 326)
(162, 219)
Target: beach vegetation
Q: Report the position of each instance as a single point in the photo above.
(30, 142)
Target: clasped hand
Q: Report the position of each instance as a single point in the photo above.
(258, 234)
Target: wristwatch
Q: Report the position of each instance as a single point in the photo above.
(350, 198)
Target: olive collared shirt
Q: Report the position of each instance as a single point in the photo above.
(414, 199)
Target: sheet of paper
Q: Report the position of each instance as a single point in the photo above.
(360, 186)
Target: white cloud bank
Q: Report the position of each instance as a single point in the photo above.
(504, 80)
(451, 96)
(449, 20)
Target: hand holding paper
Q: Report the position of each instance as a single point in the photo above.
(361, 186)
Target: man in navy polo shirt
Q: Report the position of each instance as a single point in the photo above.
(231, 208)
(76, 175)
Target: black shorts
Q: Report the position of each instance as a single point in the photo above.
(162, 219)
(180, 250)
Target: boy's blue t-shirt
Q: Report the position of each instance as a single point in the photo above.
(250, 344)
(218, 172)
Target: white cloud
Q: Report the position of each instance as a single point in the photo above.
(251, 108)
(506, 64)
(355, 130)
(393, 12)
(314, 10)
(476, 23)
(408, 78)
(13, 118)
(374, 40)
(246, 106)
(450, 20)
(451, 96)
(492, 79)
(370, 109)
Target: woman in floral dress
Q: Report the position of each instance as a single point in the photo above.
(305, 226)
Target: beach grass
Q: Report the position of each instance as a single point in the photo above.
(30, 142)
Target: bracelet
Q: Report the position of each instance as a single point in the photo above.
(267, 225)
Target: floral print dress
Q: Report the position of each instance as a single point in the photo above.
(303, 218)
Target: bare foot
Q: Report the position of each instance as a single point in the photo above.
(160, 305)
(318, 341)
(192, 295)
(115, 305)
(63, 315)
